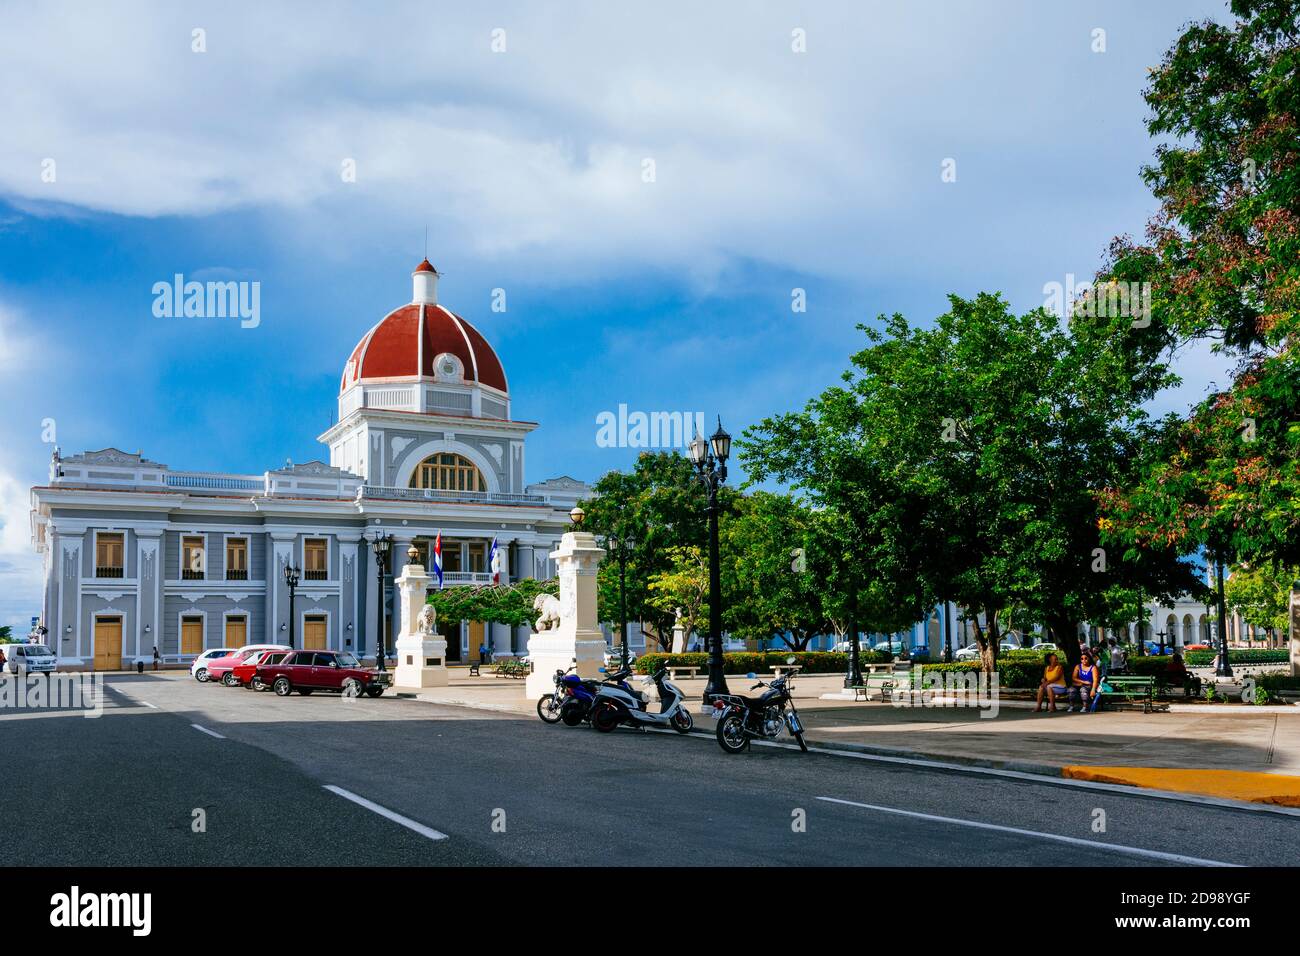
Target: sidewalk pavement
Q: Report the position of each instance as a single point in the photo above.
(1245, 753)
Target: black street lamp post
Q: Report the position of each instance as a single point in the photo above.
(947, 634)
(292, 576)
(853, 676)
(619, 545)
(710, 460)
(382, 545)
(1225, 668)
(1161, 635)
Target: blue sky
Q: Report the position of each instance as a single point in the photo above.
(773, 170)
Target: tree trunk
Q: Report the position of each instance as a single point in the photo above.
(1065, 635)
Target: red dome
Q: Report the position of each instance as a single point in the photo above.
(405, 343)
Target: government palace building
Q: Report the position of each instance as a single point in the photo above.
(139, 556)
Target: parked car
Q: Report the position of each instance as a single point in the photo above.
(245, 672)
(30, 659)
(970, 652)
(199, 669)
(1046, 646)
(309, 671)
(1153, 648)
(890, 647)
(219, 668)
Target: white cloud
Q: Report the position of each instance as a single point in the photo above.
(20, 566)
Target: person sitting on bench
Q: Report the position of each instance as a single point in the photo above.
(1083, 683)
(1177, 675)
(1052, 684)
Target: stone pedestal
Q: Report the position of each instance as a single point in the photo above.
(421, 658)
(679, 637)
(578, 638)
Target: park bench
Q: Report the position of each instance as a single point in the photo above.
(473, 668)
(1131, 689)
(882, 682)
(688, 671)
(516, 667)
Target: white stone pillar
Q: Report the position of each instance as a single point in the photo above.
(500, 637)
(421, 657)
(577, 638)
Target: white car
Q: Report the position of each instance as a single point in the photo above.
(970, 652)
(199, 669)
(1046, 646)
(29, 659)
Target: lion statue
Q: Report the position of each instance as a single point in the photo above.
(548, 608)
(427, 623)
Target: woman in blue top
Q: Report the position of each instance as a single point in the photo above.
(1083, 683)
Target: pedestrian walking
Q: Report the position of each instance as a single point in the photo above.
(157, 658)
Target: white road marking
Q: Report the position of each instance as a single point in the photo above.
(145, 702)
(1073, 841)
(926, 763)
(210, 733)
(407, 822)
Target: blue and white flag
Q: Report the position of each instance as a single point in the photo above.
(437, 558)
(494, 562)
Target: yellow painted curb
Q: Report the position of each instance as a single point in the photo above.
(1245, 785)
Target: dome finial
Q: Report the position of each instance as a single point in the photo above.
(425, 279)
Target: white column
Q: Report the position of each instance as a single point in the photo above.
(577, 637)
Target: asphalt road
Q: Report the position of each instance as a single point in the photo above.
(480, 788)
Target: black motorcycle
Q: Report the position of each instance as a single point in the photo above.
(742, 719)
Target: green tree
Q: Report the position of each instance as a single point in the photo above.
(1262, 596)
(965, 459)
(1222, 259)
(510, 604)
(5, 631)
(683, 588)
(768, 592)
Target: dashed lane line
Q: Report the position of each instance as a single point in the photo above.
(370, 805)
(1036, 834)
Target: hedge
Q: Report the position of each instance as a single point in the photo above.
(1241, 655)
(744, 662)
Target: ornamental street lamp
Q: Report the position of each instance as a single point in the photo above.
(1161, 635)
(710, 460)
(1225, 668)
(292, 576)
(947, 634)
(620, 544)
(853, 676)
(382, 545)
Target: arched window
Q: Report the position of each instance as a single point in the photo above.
(448, 472)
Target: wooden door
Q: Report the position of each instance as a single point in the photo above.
(192, 635)
(313, 633)
(108, 644)
(475, 640)
(236, 631)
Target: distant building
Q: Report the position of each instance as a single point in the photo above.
(138, 555)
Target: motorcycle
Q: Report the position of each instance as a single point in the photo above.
(742, 719)
(622, 705)
(573, 695)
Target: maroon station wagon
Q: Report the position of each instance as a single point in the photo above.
(308, 671)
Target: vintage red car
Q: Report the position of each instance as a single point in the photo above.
(309, 671)
(219, 668)
(245, 672)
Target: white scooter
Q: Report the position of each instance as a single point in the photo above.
(614, 706)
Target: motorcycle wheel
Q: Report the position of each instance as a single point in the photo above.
(548, 708)
(731, 734)
(683, 721)
(572, 715)
(604, 717)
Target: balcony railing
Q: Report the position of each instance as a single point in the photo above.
(462, 577)
(314, 575)
(110, 572)
(215, 482)
(188, 575)
(236, 574)
(451, 497)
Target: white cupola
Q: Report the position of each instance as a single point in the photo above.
(425, 283)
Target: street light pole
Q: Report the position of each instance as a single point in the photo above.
(291, 577)
(710, 460)
(622, 596)
(1225, 668)
(853, 676)
(381, 546)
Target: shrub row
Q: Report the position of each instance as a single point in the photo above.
(1242, 655)
(743, 662)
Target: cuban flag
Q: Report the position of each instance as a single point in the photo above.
(494, 562)
(437, 558)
